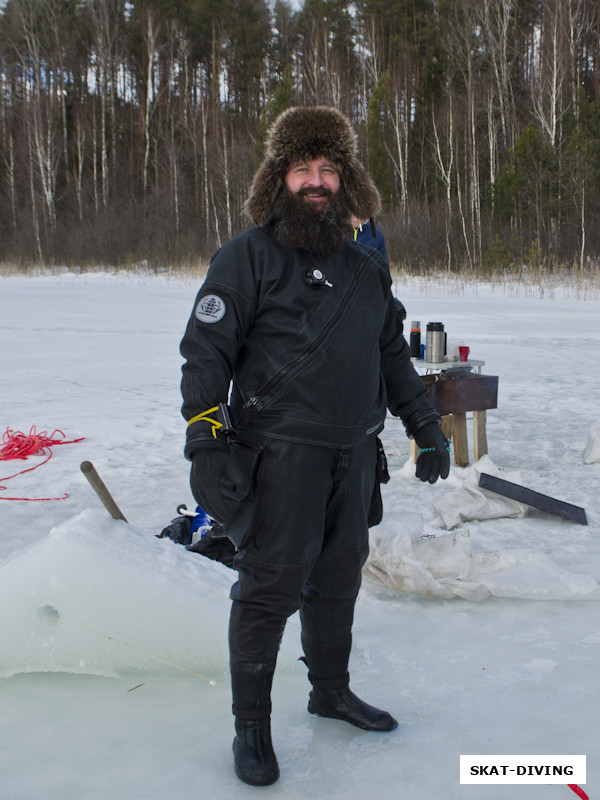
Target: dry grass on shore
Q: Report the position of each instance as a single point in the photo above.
(526, 279)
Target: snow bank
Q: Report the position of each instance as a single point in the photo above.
(104, 598)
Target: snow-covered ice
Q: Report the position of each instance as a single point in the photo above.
(113, 652)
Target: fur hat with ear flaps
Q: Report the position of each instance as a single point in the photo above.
(304, 133)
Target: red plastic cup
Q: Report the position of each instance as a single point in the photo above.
(463, 352)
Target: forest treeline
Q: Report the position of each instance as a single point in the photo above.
(130, 131)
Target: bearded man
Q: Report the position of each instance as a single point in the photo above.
(296, 325)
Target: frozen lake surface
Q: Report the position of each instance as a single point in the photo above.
(113, 651)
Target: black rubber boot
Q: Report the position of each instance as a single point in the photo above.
(255, 761)
(341, 703)
(330, 696)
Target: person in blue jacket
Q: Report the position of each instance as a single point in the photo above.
(367, 233)
(294, 352)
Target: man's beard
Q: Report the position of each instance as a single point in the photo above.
(304, 228)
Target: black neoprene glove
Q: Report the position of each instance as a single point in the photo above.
(433, 461)
(208, 463)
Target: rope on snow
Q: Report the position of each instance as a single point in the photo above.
(55, 615)
(578, 791)
(18, 445)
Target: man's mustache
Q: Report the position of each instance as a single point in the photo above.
(312, 190)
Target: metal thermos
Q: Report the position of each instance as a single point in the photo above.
(415, 340)
(435, 342)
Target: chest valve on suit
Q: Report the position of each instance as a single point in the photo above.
(315, 279)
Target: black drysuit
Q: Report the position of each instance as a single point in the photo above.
(315, 349)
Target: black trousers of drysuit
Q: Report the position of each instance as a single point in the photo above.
(304, 550)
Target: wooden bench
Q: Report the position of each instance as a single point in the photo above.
(454, 393)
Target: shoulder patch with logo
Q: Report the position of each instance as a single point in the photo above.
(211, 308)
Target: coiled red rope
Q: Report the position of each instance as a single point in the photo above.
(18, 445)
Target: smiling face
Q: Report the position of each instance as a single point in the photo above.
(315, 181)
(311, 211)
